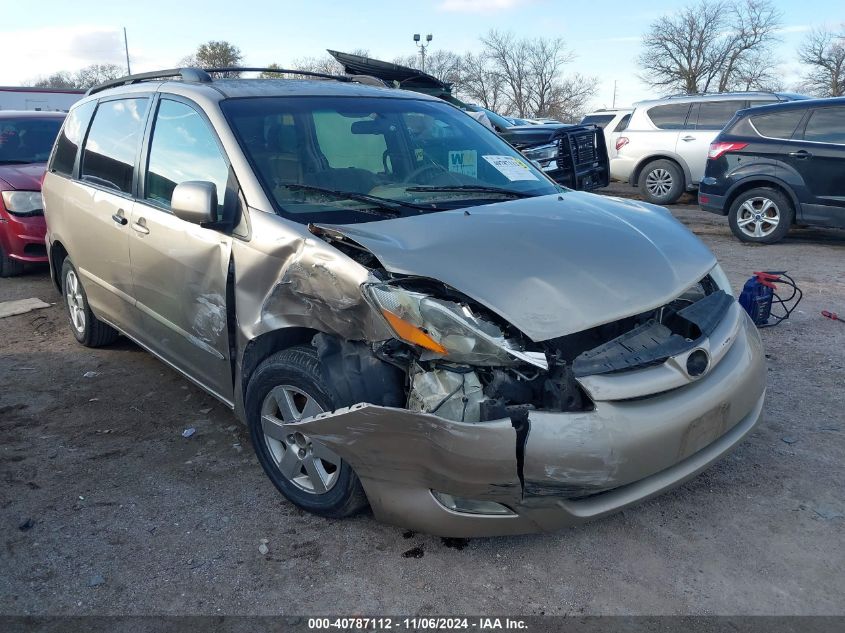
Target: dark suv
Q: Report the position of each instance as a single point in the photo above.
(778, 165)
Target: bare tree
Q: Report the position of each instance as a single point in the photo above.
(510, 58)
(710, 46)
(60, 80)
(81, 79)
(823, 51)
(530, 75)
(97, 74)
(326, 64)
(480, 83)
(568, 98)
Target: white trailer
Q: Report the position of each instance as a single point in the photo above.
(43, 99)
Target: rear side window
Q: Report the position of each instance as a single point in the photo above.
(597, 119)
(778, 124)
(70, 138)
(669, 117)
(183, 148)
(623, 123)
(713, 115)
(826, 125)
(108, 158)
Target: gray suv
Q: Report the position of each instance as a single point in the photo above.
(405, 312)
(663, 149)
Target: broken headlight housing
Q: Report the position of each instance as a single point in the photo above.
(23, 202)
(721, 280)
(447, 329)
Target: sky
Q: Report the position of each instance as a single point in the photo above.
(52, 35)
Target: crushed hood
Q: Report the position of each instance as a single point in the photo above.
(550, 265)
(26, 177)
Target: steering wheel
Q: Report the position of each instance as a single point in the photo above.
(433, 168)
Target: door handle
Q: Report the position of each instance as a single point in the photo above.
(801, 153)
(141, 226)
(119, 218)
(688, 138)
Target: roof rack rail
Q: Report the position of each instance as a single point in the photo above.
(202, 75)
(681, 95)
(277, 71)
(187, 74)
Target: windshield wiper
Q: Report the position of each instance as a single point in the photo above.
(384, 204)
(473, 189)
(15, 162)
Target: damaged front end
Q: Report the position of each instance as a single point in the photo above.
(497, 433)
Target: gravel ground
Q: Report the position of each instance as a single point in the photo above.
(106, 509)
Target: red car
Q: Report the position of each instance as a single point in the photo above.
(26, 139)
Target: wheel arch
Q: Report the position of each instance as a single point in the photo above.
(638, 169)
(262, 347)
(753, 182)
(58, 254)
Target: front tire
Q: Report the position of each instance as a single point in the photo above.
(87, 328)
(9, 267)
(762, 216)
(662, 182)
(287, 387)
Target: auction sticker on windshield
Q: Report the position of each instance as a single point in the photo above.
(510, 167)
(464, 161)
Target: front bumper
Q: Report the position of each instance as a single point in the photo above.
(22, 237)
(572, 467)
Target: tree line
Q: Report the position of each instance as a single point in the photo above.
(708, 46)
(722, 45)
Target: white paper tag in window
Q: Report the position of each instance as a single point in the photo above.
(464, 162)
(511, 168)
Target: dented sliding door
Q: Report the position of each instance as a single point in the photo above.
(179, 274)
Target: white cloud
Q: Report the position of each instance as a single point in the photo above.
(43, 51)
(794, 28)
(480, 6)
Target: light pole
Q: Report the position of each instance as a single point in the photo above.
(422, 48)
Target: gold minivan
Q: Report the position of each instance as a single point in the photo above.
(405, 312)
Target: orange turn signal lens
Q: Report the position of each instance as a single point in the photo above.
(412, 334)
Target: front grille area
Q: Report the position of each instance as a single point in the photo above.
(585, 148)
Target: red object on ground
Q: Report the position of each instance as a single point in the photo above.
(832, 316)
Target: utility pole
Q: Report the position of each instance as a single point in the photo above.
(422, 48)
(126, 48)
(614, 94)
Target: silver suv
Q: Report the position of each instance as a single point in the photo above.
(404, 311)
(663, 149)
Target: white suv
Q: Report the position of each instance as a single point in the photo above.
(663, 150)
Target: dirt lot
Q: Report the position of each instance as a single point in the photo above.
(106, 509)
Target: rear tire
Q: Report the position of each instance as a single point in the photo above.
(662, 182)
(286, 387)
(87, 328)
(761, 216)
(9, 267)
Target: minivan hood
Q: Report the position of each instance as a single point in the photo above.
(25, 177)
(550, 265)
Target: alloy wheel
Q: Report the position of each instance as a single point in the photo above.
(659, 182)
(75, 301)
(758, 217)
(308, 465)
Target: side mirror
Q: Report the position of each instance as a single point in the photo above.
(195, 201)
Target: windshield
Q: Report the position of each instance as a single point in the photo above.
(27, 139)
(397, 156)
